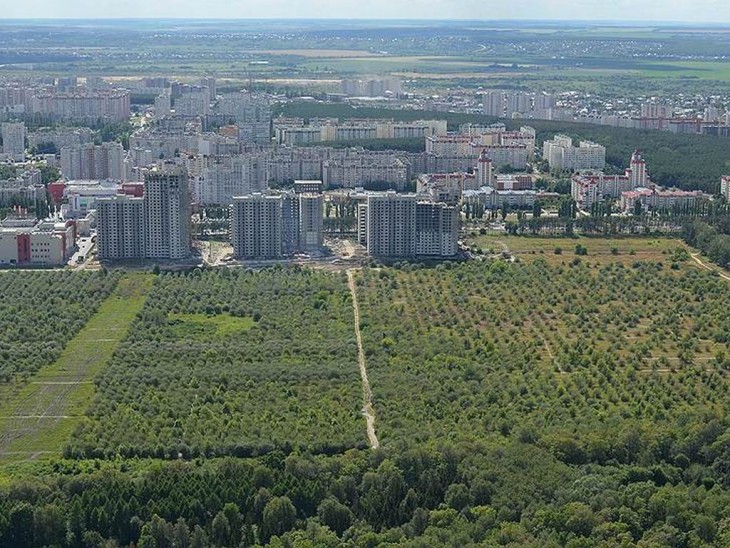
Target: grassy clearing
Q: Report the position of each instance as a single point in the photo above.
(203, 325)
(39, 415)
(707, 70)
(599, 250)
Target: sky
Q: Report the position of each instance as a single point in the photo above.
(709, 11)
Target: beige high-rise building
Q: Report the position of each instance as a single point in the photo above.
(167, 214)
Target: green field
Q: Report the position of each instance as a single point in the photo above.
(37, 417)
(203, 325)
(624, 250)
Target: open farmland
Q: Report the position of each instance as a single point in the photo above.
(232, 362)
(578, 353)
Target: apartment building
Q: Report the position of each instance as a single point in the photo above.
(13, 134)
(394, 225)
(589, 189)
(658, 199)
(311, 221)
(363, 168)
(562, 155)
(437, 229)
(60, 137)
(121, 228)
(491, 198)
(167, 214)
(224, 177)
(272, 226)
(82, 105)
(725, 187)
(89, 161)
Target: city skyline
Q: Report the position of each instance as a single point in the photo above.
(703, 11)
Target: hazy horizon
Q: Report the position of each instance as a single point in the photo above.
(710, 12)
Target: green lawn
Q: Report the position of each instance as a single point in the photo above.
(203, 325)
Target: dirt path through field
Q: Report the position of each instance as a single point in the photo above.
(367, 394)
(695, 257)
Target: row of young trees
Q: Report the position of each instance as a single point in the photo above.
(41, 311)
(231, 362)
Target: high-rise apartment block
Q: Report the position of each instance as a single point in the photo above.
(401, 225)
(311, 221)
(493, 103)
(163, 105)
(372, 87)
(156, 226)
(271, 226)
(561, 154)
(256, 226)
(391, 225)
(725, 187)
(13, 134)
(86, 106)
(167, 214)
(250, 112)
(227, 176)
(121, 228)
(60, 137)
(89, 161)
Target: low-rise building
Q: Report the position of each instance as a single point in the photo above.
(26, 241)
(659, 199)
(491, 198)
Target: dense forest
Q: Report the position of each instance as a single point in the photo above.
(686, 161)
(501, 493)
